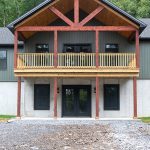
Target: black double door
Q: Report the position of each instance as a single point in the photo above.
(76, 101)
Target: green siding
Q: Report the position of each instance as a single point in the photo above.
(8, 75)
(145, 60)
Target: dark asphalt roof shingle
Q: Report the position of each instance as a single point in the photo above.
(146, 33)
(7, 37)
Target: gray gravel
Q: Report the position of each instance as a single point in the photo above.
(74, 135)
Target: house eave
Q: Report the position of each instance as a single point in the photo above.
(45, 3)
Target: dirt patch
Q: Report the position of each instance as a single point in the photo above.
(78, 137)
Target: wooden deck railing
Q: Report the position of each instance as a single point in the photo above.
(76, 60)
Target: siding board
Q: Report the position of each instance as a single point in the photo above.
(8, 74)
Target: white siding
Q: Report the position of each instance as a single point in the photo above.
(143, 93)
(8, 98)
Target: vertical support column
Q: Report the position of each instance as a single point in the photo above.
(76, 11)
(55, 97)
(137, 49)
(15, 48)
(97, 48)
(135, 97)
(55, 48)
(97, 98)
(19, 98)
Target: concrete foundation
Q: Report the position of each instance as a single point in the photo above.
(8, 97)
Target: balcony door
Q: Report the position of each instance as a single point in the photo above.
(76, 101)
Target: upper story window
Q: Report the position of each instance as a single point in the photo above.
(77, 48)
(3, 60)
(111, 48)
(42, 48)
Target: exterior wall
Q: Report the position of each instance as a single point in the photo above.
(126, 96)
(144, 60)
(126, 99)
(79, 37)
(8, 98)
(8, 74)
(143, 95)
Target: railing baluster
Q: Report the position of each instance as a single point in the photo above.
(76, 60)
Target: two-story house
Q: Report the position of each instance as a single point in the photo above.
(82, 58)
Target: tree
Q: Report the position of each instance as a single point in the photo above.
(143, 9)
(136, 8)
(12, 9)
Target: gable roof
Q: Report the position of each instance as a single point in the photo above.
(46, 2)
(146, 33)
(6, 37)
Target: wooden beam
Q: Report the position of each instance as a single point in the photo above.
(15, 48)
(97, 48)
(97, 98)
(91, 15)
(62, 16)
(135, 97)
(19, 98)
(84, 28)
(76, 11)
(55, 48)
(117, 13)
(37, 13)
(22, 36)
(137, 49)
(55, 97)
(79, 75)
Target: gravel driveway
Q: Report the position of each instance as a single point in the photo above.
(74, 135)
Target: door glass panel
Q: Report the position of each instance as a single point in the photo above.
(69, 104)
(83, 100)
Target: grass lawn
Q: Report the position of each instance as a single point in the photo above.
(145, 119)
(4, 118)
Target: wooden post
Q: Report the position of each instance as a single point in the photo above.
(137, 49)
(19, 98)
(55, 97)
(55, 48)
(97, 97)
(15, 48)
(135, 97)
(76, 11)
(97, 48)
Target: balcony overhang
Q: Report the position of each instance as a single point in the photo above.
(98, 72)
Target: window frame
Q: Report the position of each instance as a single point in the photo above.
(2, 68)
(34, 105)
(75, 45)
(36, 45)
(112, 44)
(106, 108)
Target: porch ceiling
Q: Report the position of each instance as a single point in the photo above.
(45, 16)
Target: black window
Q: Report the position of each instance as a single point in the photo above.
(42, 48)
(111, 97)
(111, 48)
(77, 48)
(41, 97)
(3, 60)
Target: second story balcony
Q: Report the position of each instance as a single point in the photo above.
(72, 64)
